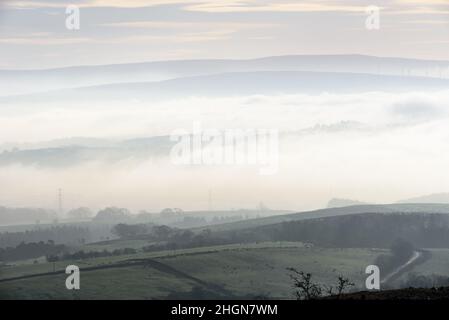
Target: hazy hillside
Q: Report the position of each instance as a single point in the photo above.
(26, 81)
(333, 212)
(238, 84)
(73, 152)
(432, 198)
(338, 203)
(368, 230)
(10, 216)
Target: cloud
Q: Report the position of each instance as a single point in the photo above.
(254, 6)
(421, 2)
(187, 24)
(138, 3)
(417, 11)
(227, 6)
(204, 36)
(43, 41)
(247, 28)
(95, 3)
(24, 4)
(416, 109)
(431, 22)
(203, 5)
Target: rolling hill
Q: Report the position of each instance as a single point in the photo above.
(237, 84)
(333, 212)
(432, 198)
(28, 81)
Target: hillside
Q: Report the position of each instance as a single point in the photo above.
(231, 84)
(431, 198)
(28, 81)
(441, 293)
(332, 212)
(235, 271)
(368, 230)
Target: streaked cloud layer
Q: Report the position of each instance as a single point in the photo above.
(33, 33)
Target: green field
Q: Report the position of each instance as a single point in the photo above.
(254, 270)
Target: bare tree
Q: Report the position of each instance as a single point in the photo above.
(343, 284)
(306, 289)
(329, 290)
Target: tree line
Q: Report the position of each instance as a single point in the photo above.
(31, 250)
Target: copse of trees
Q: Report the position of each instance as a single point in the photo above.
(164, 237)
(64, 234)
(129, 230)
(172, 212)
(31, 250)
(82, 255)
(112, 215)
(81, 213)
(370, 230)
(144, 231)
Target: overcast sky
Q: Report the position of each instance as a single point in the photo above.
(33, 33)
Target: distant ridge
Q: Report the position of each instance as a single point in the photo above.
(338, 203)
(432, 198)
(240, 84)
(333, 212)
(29, 81)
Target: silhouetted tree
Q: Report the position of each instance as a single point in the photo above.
(343, 284)
(306, 289)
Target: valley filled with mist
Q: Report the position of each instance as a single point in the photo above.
(125, 171)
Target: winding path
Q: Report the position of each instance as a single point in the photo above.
(415, 256)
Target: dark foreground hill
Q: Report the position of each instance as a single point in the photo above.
(441, 293)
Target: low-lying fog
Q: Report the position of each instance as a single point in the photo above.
(374, 147)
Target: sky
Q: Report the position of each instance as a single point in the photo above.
(33, 34)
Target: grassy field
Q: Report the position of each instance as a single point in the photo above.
(120, 283)
(262, 272)
(254, 270)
